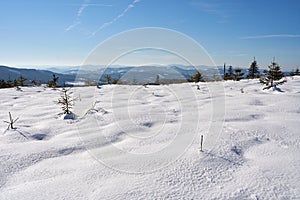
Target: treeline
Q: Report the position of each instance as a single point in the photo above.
(254, 72)
(267, 76)
(23, 81)
(271, 77)
(13, 83)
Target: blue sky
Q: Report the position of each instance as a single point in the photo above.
(63, 32)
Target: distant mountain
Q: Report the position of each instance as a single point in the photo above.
(62, 70)
(127, 74)
(10, 73)
(141, 74)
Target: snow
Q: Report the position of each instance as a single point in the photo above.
(132, 142)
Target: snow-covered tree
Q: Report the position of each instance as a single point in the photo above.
(273, 76)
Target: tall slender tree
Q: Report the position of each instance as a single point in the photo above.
(224, 71)
(230, 72)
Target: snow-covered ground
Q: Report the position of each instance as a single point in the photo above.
(132, 142)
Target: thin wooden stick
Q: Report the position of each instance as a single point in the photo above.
(201, 143)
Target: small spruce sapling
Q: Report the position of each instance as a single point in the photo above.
(295, 73)
(197, 77)
(21, 81)
(11, 121)
(253, 71)
(66, 101)
(108, 78)
(53, 82)
(273, 76)
(157, 81)
(229, 74)
(238, 75)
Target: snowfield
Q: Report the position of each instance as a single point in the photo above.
(132, 142)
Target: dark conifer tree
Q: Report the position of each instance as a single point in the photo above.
(230, 72)
(157, 81)
(224, 71)
(16, 83)
(2, 84)
(9, 83)
(53, 82)
(295, 73)
(197, 77)
(229, 75)
(238, 74)
(21, 80)
(253, 71)
(108, 78)
(273, 76)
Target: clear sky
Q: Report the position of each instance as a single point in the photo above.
(63, 32)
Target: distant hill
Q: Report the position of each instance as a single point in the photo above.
(128, 74)
(140, 74)
(10, 73)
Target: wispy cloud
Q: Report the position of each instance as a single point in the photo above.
(270, 36)
(76, 22)
(81, 9)
(83, 6)
(73, 25)
(119, 16)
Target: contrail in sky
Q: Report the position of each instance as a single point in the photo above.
(82, 7)
(119, 16)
